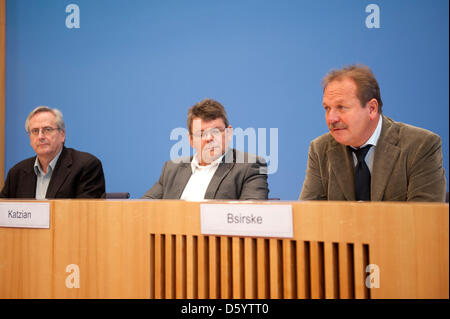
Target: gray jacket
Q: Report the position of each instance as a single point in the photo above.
(239, 176)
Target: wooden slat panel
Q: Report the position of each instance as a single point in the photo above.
(250, 268)
(226, 274)
(317, 273)
(366, 253)
(170, 267)
(262, 256)
(238, 267)
(152, 266)
(289, 267)
(191, 267)
(203, 267)
(181, 266)
(214, 267)
(345, 271)
(159, 266)
(331, 271)
(303, 270)
(360, 272)
(276, 275)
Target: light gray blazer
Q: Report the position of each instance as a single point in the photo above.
(234, 179)
(407, 167)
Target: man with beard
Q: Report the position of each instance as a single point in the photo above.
(215, 171)
(367, 156)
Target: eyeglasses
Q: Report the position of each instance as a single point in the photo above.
(214, 132)
(45, 130)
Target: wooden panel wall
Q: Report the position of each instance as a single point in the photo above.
(280, 274)
(154, 249)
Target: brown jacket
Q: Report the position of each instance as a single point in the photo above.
(407, 167)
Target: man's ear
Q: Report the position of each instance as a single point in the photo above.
(372, 106)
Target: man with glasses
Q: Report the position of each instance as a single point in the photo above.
(55, 171)
(215, 171)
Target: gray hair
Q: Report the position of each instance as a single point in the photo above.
(57, 113)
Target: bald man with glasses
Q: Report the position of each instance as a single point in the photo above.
(55, 171)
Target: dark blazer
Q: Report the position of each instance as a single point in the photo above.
(239, 176)
(76, 175)
(407, 166)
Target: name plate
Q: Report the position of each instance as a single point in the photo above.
(25, 215)
(246, 220)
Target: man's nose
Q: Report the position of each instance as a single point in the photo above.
(333, 116)
(209, 137)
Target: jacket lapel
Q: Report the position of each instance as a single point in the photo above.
(343, 170)
(183, 174)
(385, 157)
(28, 187)
(60, 173)
(224, 167)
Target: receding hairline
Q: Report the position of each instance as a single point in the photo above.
(341, 79)
(350, 72)
(361, 75)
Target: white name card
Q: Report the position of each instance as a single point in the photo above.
(25, 215)
(246, 220)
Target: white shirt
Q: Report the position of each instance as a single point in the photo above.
(372, 141)
(198, 182)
